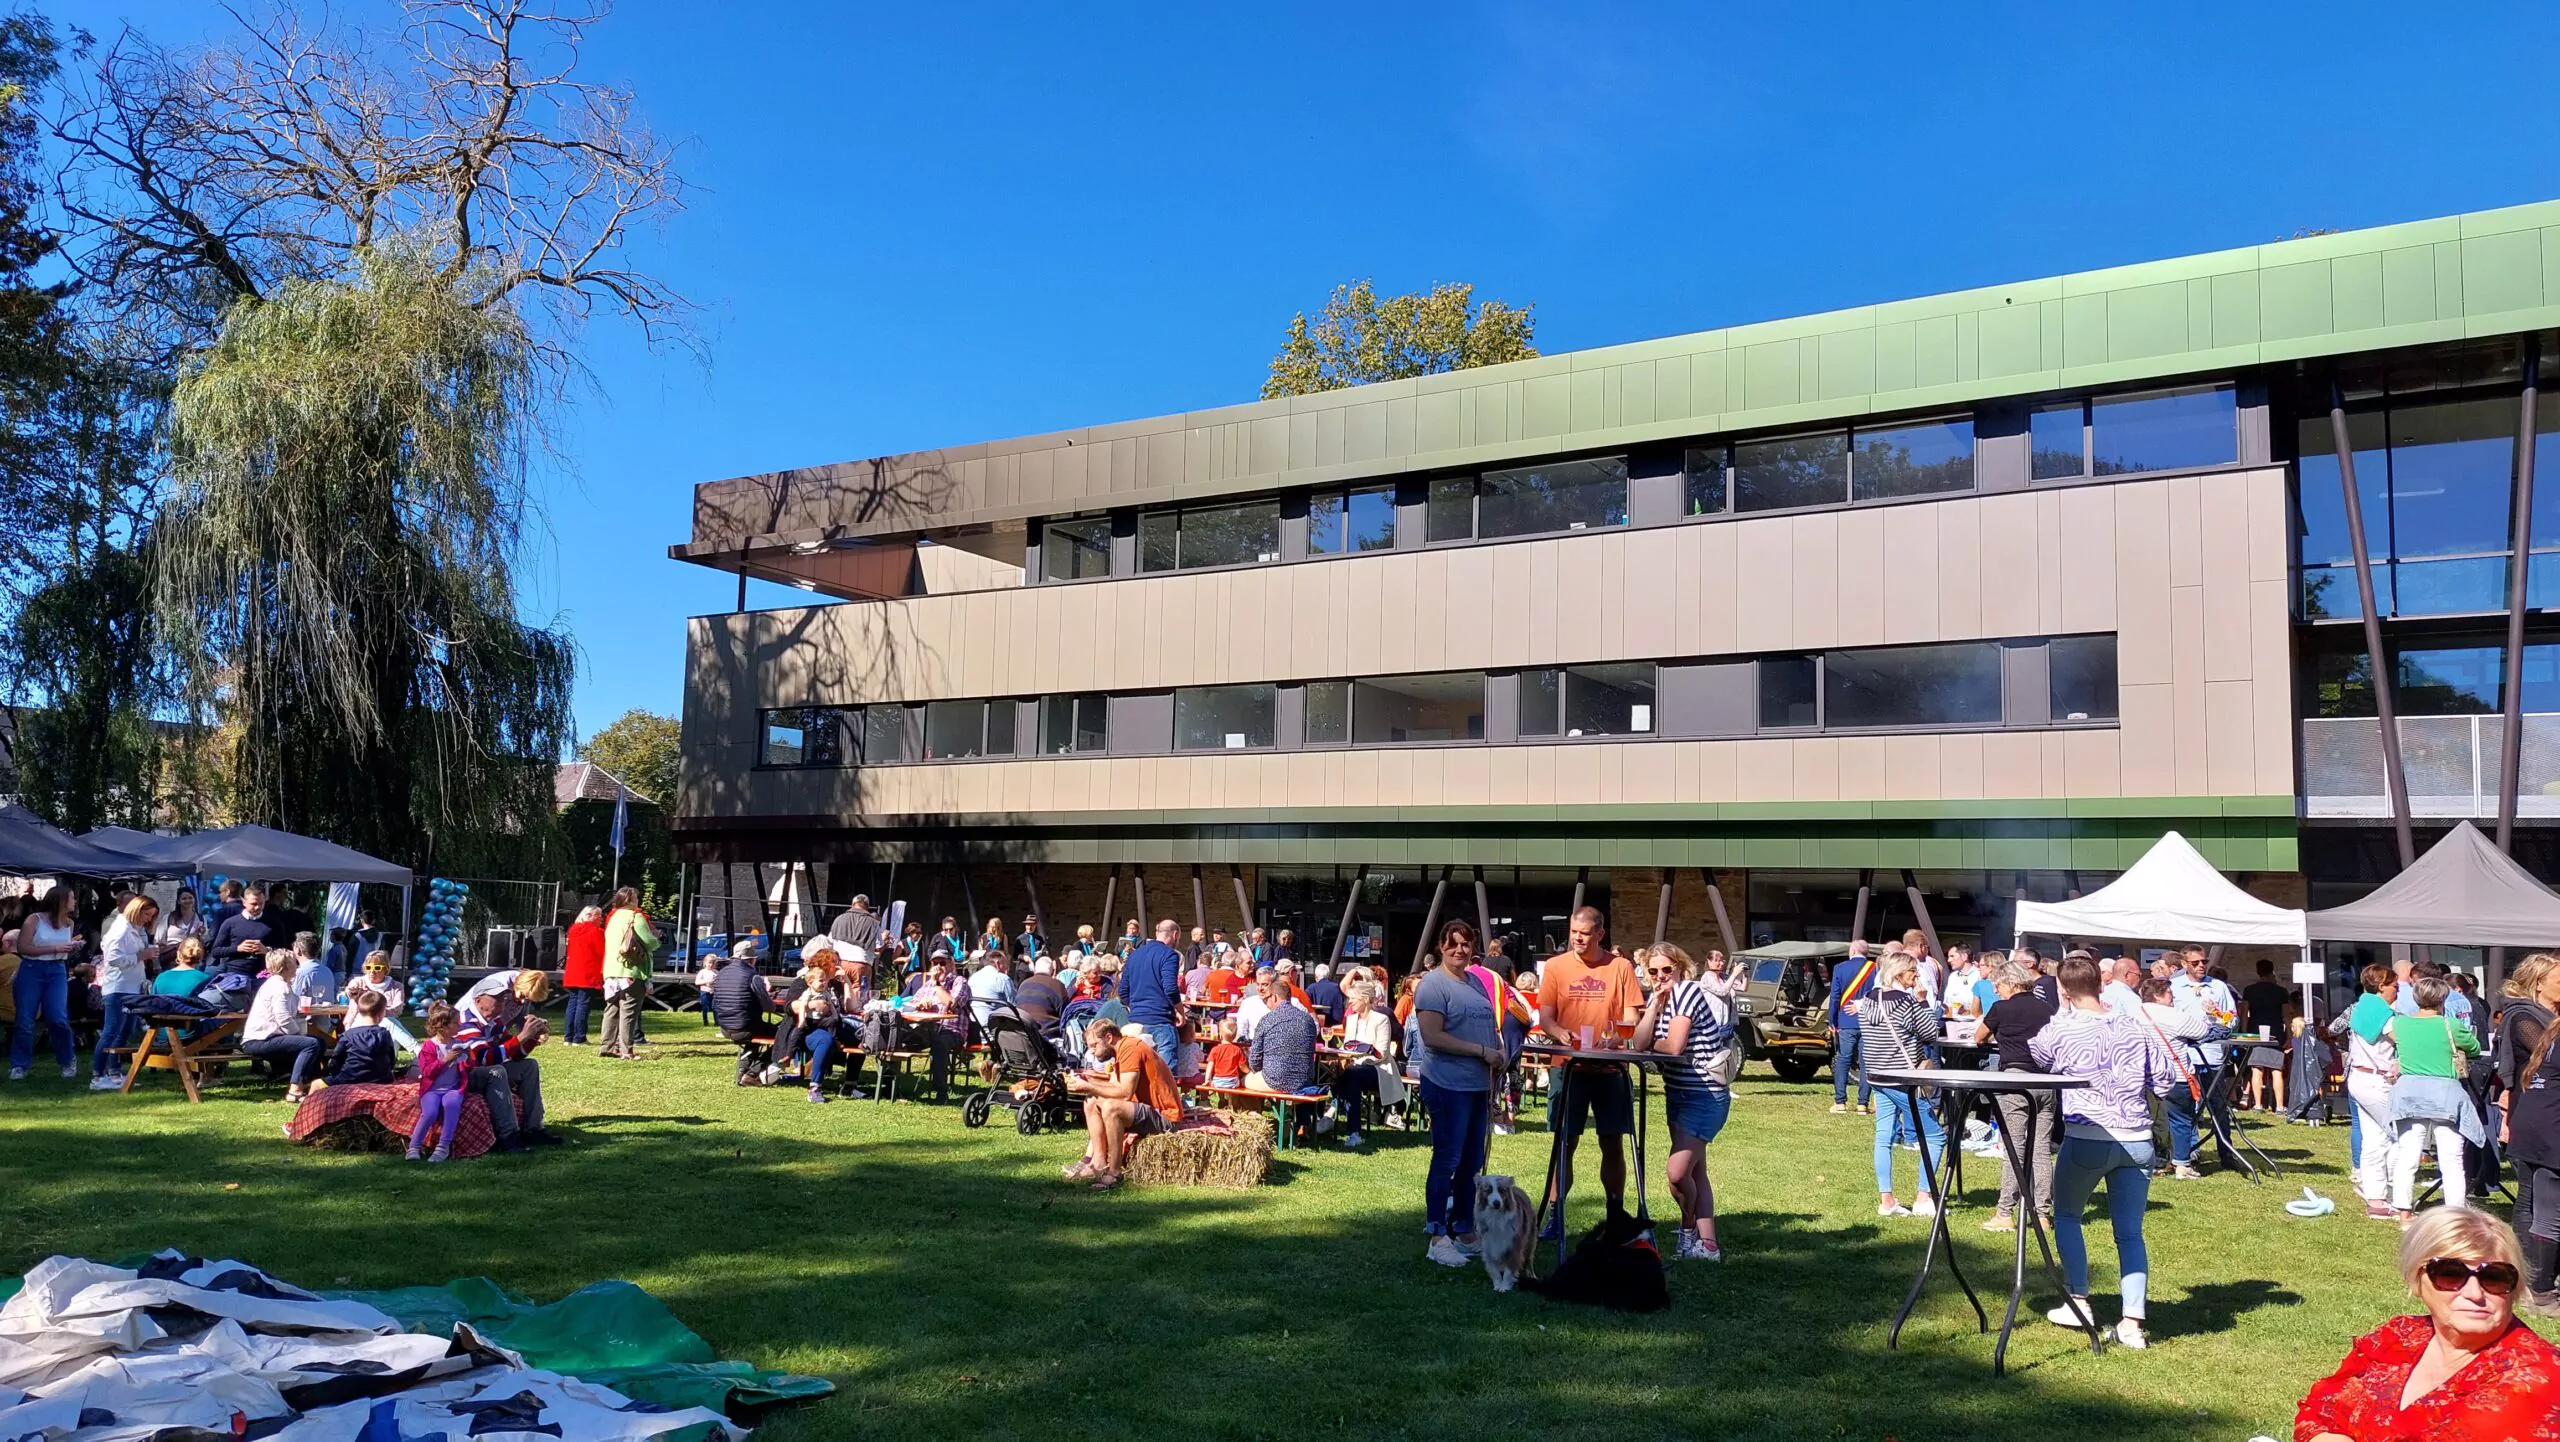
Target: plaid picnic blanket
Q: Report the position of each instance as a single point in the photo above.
(393, 1106)
(1200, 1119)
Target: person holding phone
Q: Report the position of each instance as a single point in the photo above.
(241, 940)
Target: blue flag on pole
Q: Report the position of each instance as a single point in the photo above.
(621, 808)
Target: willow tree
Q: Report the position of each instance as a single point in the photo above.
(361, 251)
(348, 495)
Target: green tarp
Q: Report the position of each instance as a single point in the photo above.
(609, 1333)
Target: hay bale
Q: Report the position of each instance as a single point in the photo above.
(1237, 1155)
(356, 1134)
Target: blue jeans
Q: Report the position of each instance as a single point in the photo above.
(822, 1046)
(2181, 1110)
(2355, 1138)
(1166, 1041)
(2126, 1169)
(41, 988)
(1844, 1055)
(113, 1023)
(1351, 1088)
(1458, 1122)
(574, 1026)
(1893, 1117)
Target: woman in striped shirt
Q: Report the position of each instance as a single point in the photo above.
(1689, 1020)
(2106, 1137)
(1895, 1031)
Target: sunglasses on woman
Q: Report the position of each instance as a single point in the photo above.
(1659, 970)
(2447, 1274)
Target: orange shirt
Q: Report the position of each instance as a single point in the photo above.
(1572, 996)
(1135, 1061)
(1227, 1059)
(1220, 988)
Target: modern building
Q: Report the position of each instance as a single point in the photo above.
(1767, 632)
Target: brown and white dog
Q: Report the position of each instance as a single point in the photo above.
(1506, 1229)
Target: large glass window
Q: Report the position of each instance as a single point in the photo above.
(1558, 496)
(1340, 523)
(1215, 536)
(810, 736)
(2438, 681)
(1071, 724)
(1788, 696)
(1796, 471)
(2436, 483)
(1702, 481)
(1450, 514)
(2081, 672)
(1951, 685)
(1213, 718)
(1615, 700)
(2452, 477)
(957, 730)
(1389, 710)
(1541, 702)
(1159, 541)
(2058, 436)
(1923, 458)
(884, 734)
(2163, 431)
(1328, 713)
(1076, 550)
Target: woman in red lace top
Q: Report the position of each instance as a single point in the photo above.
(2467, 1371)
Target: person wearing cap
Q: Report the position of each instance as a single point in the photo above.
(1132, 1095)
(1032, 941)
(1288, 971)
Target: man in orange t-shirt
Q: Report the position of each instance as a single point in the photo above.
(1224, 982)
(1585, 987)
(1136, 1097)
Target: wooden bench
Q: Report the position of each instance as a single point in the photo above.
(165, 1046)
(1289, 1110)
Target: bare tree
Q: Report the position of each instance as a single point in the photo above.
(194, 180)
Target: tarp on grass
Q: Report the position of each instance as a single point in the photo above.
(613, 1334)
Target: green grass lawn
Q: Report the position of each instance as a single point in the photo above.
(950, 1284)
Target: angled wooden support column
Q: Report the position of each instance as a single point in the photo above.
(1715, 899)
(2395, 780)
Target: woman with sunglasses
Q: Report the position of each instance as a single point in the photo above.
(2467, 1371)
(1689, 1019)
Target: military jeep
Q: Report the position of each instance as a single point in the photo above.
(1782, 1018)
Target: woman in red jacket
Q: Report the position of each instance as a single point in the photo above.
(582, 972)
(2467, 1371)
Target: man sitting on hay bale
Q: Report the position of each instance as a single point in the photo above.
(1131, 1097)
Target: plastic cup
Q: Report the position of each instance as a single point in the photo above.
(1586, 1038)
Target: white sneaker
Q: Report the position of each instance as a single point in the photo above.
(1689, 1249)
(1324, 1123)
(1709, 1251)
(71, 1073)
(772, 1074)
(1445, 1252)
(2129, 1334)
(1505, 1129)
(17, 1073)
(1925, 1207)
(2076, 1318)
(1892, 1209)
(1350, 1140)
(106, 1084)
(1839, 1109)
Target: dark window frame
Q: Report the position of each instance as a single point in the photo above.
(2089, 403)
(1181, 517)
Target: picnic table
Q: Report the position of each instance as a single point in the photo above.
(165, 1046)
(1282, 1105)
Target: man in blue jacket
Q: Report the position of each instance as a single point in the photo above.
(1850, 980)
(1151, 987)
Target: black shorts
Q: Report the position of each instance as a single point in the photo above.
(1599, 1095)
(1146, 1121)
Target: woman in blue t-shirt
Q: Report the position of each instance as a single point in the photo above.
(1461, 1055)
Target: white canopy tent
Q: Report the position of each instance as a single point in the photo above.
(2171, 894)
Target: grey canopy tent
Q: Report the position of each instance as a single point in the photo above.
(31, 845)
(261, 852)
(2463, 892)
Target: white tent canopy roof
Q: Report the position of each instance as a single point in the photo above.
(2171, 894)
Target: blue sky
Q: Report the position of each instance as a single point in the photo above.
(923, 225)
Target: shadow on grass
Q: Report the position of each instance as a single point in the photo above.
(951, 1285)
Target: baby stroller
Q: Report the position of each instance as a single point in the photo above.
(1029, 1078)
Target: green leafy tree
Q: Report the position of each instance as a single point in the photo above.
(1358, 338)
(642, 748)
(361, 259)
